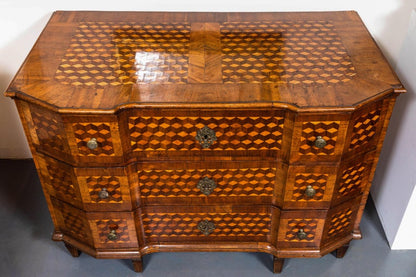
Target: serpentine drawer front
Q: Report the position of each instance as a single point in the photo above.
(205, 131)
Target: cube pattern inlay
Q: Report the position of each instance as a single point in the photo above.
(328, 130)
(104, 227)
(178, 133)
(308, 225)
(365, 128)
(100, 131)
(110, 183)
(117, 53)
(171, 225)
(74, 220)
(293, 52)
(352, 180)
(302, 180)
(230, 182)
(49, 129)
(60, 179)
(340, 223)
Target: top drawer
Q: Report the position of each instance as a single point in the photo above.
(208, 133)
(175, 134)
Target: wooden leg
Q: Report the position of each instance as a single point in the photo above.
(137, 265)
(340, 252)
(277, 264)
(74, 251)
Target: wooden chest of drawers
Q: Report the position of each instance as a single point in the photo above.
(205, 131)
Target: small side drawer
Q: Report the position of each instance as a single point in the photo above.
(113, 230)
(309, 187)
(101, 230)
(301, 229)
(104, 189)
(208, 224)
(94, 140)
(319, 137)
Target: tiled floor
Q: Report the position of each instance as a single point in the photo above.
(27, 250)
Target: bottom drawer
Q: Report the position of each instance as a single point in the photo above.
(208, 223)
(96, 229)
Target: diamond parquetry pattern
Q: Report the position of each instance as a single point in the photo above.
(178, 133)
(104, 227)
(328, 130)
(340, 222)
(230, 182)
(110, 183)
(75, 222)
(307, 224)
(170, 225)
(49, 130)
(364, 128)
(109, 53)
(293, 52)
(100, 131)
(302, 180)
(352, 180)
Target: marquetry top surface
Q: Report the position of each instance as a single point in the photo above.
(106, 60)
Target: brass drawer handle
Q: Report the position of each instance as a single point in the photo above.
(206, 137)
(206, 227)
(112, 235)
(206, 185)
(310, 191)
(301, 234)
(320, 142)
(103, 193)
(92, 143)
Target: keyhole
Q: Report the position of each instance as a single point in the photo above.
(205, 136)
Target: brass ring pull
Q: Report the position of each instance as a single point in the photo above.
(320, 142)
(206, 137)
(301, 234)
(206, 185)
(310, 191)
(103, 193)
(92, 143)
(206, 227)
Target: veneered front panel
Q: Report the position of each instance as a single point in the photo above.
(205, 183)
(178, 133)
(309, 186)
(232, 224)
(300, 229)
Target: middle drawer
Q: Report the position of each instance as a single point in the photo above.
(206, 183)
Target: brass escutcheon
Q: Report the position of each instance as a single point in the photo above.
(206, 227)
(206, 185)
(206, 136)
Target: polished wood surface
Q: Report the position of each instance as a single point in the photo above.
(205, 131)
(127, 59)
